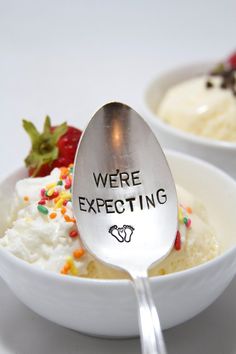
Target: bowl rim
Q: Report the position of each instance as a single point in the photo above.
(124, 282)
(190, 137)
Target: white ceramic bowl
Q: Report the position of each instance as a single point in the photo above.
(220, 153)
(108, 307)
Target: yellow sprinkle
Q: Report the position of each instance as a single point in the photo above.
(180, 215)
(26, 198)
(65, 195)
(55, 200)
(50, 192)
(59, 203)
(51, 185)
(72, 267)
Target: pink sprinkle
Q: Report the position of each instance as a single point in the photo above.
(68, 183)
(65, 202)
(42, 192)
(188, 224)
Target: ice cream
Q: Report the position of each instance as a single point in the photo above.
(204, 106)
(43, 231)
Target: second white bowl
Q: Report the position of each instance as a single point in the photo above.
(220, 153)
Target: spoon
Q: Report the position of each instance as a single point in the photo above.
(125, 204)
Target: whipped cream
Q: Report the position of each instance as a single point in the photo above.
(45, 235)
(37, 238)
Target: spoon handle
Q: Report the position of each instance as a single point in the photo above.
(152, 340)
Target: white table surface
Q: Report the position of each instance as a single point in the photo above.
(67, 58)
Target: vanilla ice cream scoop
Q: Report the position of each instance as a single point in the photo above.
(202, 106)
(47, 238)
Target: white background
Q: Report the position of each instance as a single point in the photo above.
(67, 58)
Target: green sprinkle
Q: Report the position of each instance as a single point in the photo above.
(42, 209)
(60, 183)
(185, 220)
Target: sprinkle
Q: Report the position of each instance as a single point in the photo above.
(55, 200)
(64, 172)
(180, 214)
(68, 183)
(55, 194)
(78, 253)
(60, 183)
(51, 185)
(73, 233)
(188, 224)
(42, 192)
(42, 209)
(67, 267)
(63, 210)
(59, 203)
(53, 215)
(178, 241)
(65, 202)
(71, 165)
(73, 269)
(189, 210)
(42, 202)
(50, 192)
(69, 219)
(26, 198)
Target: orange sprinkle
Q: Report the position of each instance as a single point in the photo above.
(55, 200)
(53, 215)
(67, 267)
(26, 198)
(78, 253)
(189, 210)
(63, 210)
(64, 172)
(68, 219)
(62, 271)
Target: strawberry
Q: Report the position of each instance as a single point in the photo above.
(54, 147)
(232, 60)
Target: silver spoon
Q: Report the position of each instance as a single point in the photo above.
(125, 204)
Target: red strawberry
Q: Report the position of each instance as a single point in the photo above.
(54, 147)
(232, 60)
